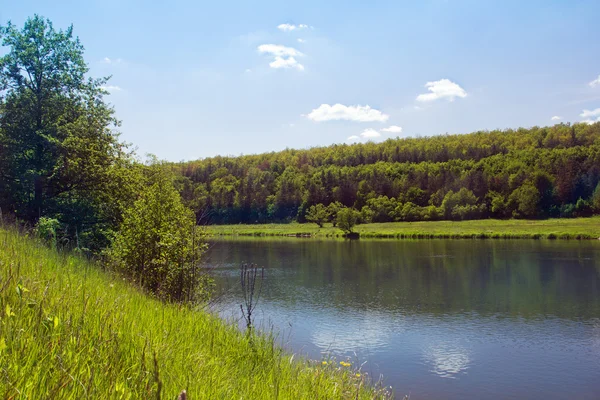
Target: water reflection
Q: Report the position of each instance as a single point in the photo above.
(447, 360)
(341, 333)
(439, 319)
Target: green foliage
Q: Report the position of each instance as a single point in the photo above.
(497, 204)
(59, 153)
(333, 209)
(347, 218)
(560, 161)
(382, 208)
(460, 205)
(75, 332)
(526, 199)
(47, 230)
(596, 199)
(318, 214)
(467, 211)
(158, 244)
(411, 212)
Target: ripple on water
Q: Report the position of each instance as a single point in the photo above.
(447, 359)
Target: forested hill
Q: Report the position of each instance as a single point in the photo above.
(525, 173)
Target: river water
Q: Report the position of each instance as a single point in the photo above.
(439, 319)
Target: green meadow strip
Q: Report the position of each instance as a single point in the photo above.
(566, 229)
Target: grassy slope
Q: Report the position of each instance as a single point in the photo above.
(580, 228)
(69, 330)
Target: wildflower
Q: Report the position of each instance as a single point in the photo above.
(358, 375)
(324, 362)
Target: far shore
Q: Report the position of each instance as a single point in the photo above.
(564, 228)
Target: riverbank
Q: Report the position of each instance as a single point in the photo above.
(70, 330)
(571, 228)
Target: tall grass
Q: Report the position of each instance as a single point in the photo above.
(70, 330)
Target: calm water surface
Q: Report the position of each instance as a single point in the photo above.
(439, 319)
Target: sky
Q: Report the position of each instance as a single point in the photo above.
(194, 79)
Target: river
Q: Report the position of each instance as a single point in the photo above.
(438, 319)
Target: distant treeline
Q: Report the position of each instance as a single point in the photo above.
(525, 173)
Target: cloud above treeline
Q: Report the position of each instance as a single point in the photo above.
(556, 118)
(595, 82)
(392, 129)
(370, 134)
(442, 89)
(340, 112)
(591, 116)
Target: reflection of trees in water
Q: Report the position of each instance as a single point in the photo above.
(524, 278)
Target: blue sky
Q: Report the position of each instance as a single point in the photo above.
(195, 79)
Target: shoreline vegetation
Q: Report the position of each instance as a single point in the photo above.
(574, 228)
(71, 330)
(131, 324)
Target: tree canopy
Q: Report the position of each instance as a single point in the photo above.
(60, 156)
(524, 173)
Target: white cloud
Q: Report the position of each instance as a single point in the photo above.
(591, 121)
(111, 88)
(291, 27)
(444, 88)
(392, 129)
(301, 40)
(336, 112)
(279, 50)
(289, 62)
(107, 60)
(283, 57)
(590, 113)
(592, 116)
(556, 118)
(370, 134)
(353, 139)
(595, 82)
(248, 70)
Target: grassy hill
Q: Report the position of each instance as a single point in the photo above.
(70, 330)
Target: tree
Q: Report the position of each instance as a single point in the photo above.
(347, 218)
(596, 199)
(57, 144)
(158, 244)
(460, 199)
(526, 198)
(317, 214)
(333, 209)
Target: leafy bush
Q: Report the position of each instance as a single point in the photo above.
(46, 229)
(159, 245)
(347, 218)
(317, 214)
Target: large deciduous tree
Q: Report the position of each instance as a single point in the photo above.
(59, 153)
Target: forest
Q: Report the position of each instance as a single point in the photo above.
(540, 172)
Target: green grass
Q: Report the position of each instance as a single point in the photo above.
(69, 330)
(573, 228)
